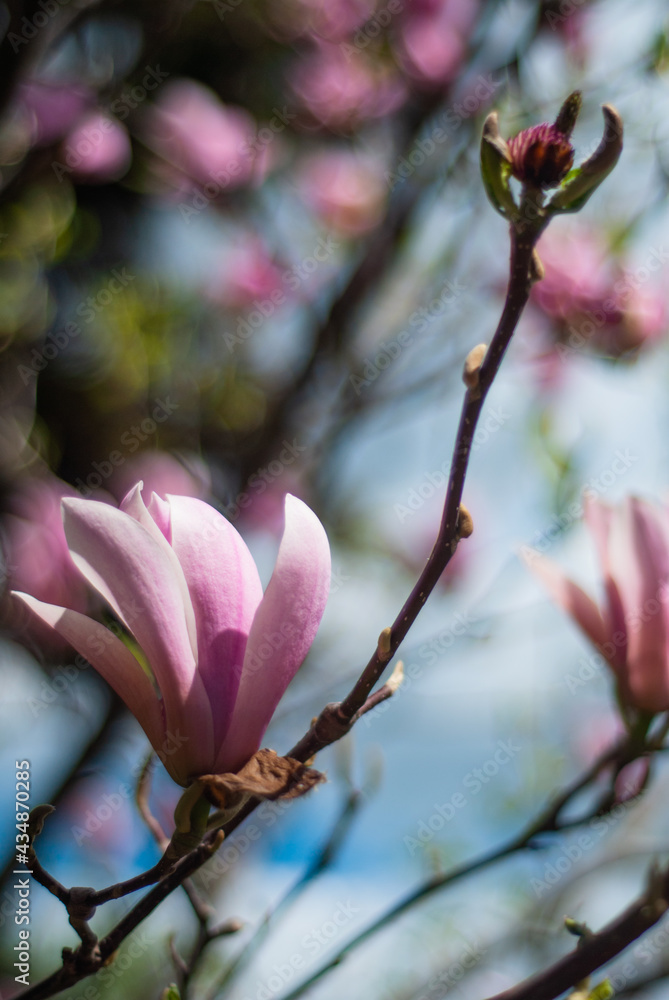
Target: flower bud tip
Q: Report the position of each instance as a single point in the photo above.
(383, 646)
(465, 522)
(396, 677)
(472, 367)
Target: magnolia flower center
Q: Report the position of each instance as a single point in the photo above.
(541, 156)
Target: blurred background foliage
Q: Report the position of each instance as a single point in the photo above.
(244, 250)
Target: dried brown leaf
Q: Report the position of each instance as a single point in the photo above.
(265, 776)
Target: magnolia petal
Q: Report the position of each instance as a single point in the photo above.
(111, 659)
(601, 519)
(570, 597)
(283, 630)
(159, 510)
(225, 590)
(646, 604)
(133, 504)
(131, 569)
(646, 681)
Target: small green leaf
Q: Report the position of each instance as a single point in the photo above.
(496, 169)
(583, 181)
(171, 993)
(604, 991)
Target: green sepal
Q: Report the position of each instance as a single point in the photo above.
(171, 992)
(496, 169)
(583, 181)
(190, 818)
(603, 991)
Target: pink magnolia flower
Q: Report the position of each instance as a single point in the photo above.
(98, 148)
(591, 300)
(247, 273)
(432, 41)
(631, 628)
(38, 558)
(201, 139)
(215, 654)
(341, 89)
(346, 190)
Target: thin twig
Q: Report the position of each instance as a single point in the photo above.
(320, 864)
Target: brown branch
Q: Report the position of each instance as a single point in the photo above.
(336, 719)
(598, 949)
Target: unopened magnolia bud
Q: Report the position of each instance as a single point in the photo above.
(383, 646)
(465, 522)
(473, 362)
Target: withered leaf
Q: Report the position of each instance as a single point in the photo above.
(265, 776)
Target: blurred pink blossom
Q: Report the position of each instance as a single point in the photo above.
(630, 628)
(200, 138)
(38, 558)
(340, 89)
(52, 109)
(247, 274)
(98, 149)
(333, 21)
(345, 189)
(591, 300)
(432, 39)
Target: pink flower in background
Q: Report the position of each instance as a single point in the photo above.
(199, 137)
(246, 274)
(432, 40)
(346, 190)
(52, 109)
(593, 301)
(631, 628)
(335, 20)
(38, 558)
(341, 89)
(98, 149)
(218, 654)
